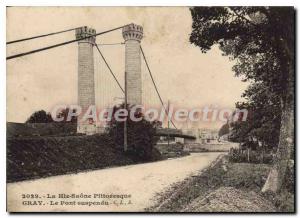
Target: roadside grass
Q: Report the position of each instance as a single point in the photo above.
(242, 176)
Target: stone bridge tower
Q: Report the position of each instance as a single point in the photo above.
(86, 85)
(133, 35)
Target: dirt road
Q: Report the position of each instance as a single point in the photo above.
(128, 188)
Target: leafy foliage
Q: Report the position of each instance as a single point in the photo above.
(40, 117)
(224, 130)
(264, 117)
(44, 117)
(260, 40)
(259, 155)
(140, 135)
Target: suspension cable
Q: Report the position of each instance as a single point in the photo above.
(156, 89)
(40, 36)
(60, 44)
(118, 43)
(110, 70)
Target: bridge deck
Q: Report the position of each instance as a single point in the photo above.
(174, 133)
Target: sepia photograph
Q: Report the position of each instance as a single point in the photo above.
(187, 109)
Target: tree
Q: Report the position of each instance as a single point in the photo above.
(261, 41)
(44, 117)
(264, 116)
(40, 117)
(140, 134)
(224, 130)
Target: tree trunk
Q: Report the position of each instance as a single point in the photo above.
(286, 139)
(277, 173)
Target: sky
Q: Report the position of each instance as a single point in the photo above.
(184, 75)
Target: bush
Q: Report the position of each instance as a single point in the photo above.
(260, 155)
(140, 135)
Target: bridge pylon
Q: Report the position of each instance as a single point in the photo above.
(86, 83)
(133, 35)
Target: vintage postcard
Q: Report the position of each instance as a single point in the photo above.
(150, 109)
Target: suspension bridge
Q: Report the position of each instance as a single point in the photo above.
(99, 84)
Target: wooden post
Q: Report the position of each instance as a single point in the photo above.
(248, 154)
(263, 152)
(125, 123)
(168, 123)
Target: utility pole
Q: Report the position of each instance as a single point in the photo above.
(168, 123)
(125, 122)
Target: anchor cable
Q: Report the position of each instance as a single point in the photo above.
(40, 36)
(60, 44)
